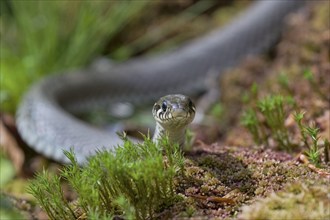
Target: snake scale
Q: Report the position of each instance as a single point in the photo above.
(45, 120)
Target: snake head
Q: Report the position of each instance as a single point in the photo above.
(174, 111)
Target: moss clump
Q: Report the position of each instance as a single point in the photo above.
(135, 181)
(296, 201)
(272, 123)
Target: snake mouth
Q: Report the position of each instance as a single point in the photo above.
(179, 113)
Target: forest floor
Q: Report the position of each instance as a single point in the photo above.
(227, 174)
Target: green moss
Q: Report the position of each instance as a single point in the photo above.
(135, 180)
(227, 169)
(266, 120)
(296, 201)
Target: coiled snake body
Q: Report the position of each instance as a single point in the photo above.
(44, 118)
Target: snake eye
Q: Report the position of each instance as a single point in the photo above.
(164, 106)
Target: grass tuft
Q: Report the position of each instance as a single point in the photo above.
(43, 37)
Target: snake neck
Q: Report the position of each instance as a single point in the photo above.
(174, 135)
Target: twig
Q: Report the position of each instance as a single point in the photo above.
(303, 159)
(214, 199)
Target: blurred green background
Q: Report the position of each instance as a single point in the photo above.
(45, 37)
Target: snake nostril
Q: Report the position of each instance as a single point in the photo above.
(156, 107)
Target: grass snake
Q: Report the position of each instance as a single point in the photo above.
(173, 113)
(45, 120)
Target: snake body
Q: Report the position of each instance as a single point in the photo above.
(45, 120)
